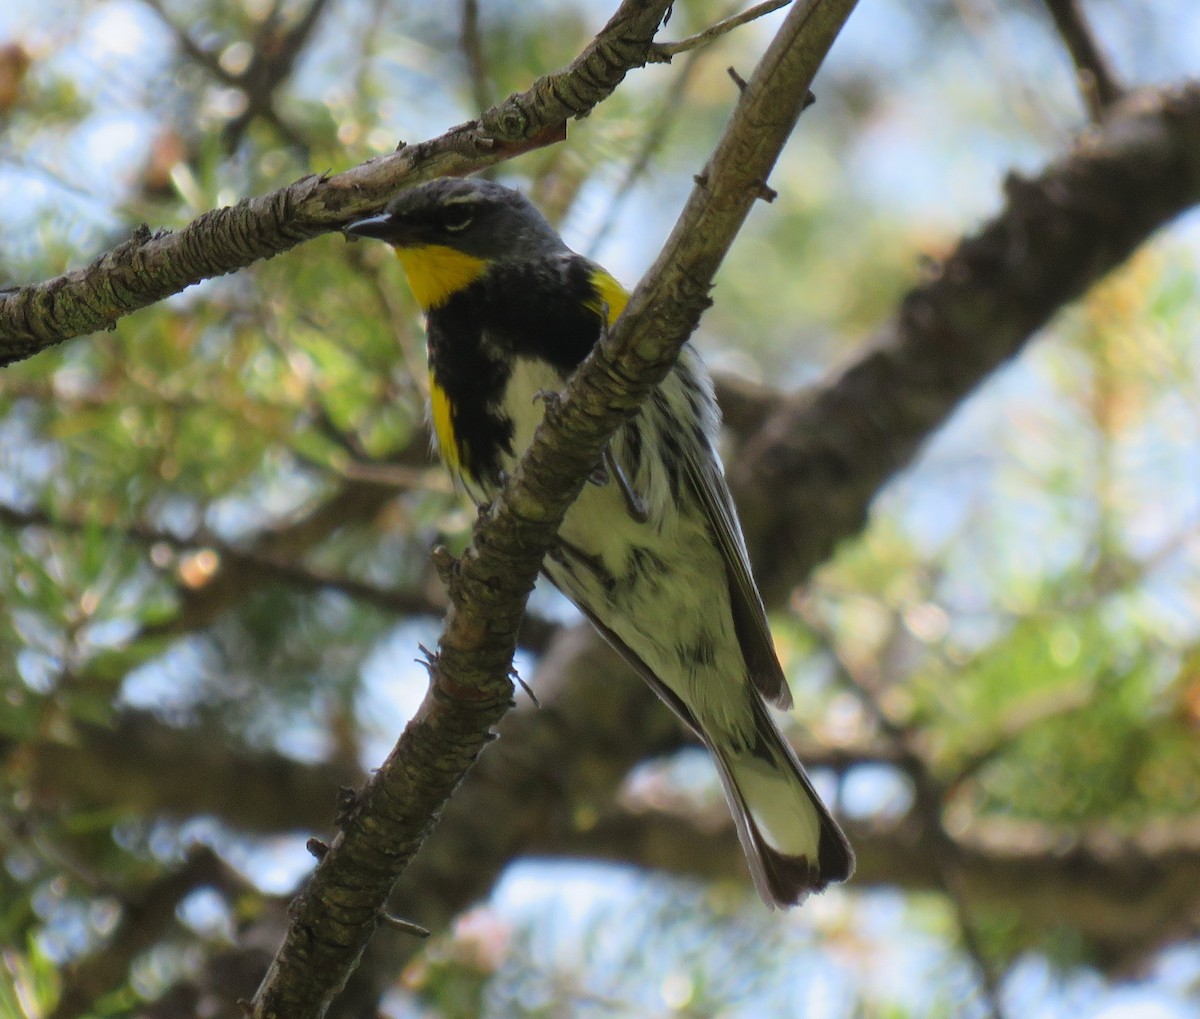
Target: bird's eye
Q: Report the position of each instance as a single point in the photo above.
(457, 217)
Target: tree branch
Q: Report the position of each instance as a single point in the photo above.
(1097, 81)
(874, 430)
(824, 453)
(140, 766)
(567, 761)
(572, 757)
(151, 266)
(666, 50)
(470, 689)
(903, 386)
(144, 917)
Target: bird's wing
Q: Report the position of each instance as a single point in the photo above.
(749, 616)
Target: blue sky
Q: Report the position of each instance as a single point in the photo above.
(916, 158)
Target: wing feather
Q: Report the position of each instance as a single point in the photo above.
(707, 482)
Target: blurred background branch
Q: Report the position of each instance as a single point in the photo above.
(216, 521)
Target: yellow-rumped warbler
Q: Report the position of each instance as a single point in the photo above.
(651, 552)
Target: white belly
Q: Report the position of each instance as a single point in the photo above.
(659, 585)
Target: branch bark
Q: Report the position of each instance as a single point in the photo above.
(904, 385)
(834, 446)
(549, 789)
(824, 453)
(151, 266)
(470, 689)
(1112, 192)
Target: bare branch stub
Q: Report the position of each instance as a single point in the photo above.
(1097, 81)
(401, 924)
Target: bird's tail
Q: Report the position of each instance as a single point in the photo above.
(792, 844)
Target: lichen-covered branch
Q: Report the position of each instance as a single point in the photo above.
(470, 687)
(150, 266)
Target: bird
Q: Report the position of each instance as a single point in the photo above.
(651, 551)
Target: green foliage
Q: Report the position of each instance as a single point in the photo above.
(222, 511)
(711, 955)
(28, 982)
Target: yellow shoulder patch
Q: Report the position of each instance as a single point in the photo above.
(609, 293)
(435, 273)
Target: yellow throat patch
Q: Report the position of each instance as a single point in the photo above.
(435, 273)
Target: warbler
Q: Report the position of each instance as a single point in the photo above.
(651, 551)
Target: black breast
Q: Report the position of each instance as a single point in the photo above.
(535, 309)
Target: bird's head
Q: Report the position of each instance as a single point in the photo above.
(475, 217)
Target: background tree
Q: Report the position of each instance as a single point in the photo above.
(218, 519)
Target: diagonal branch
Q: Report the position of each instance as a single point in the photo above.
(821, 482)
(825, 453)
(151, 266)
(470, 689)
(671, 107)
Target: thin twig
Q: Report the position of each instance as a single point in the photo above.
(206, 59)
(951, 879)
(472, 47)
(275, 51)
(232, 560)
(371, 37)
(1097, 81)
(656, 134)
(664, 51)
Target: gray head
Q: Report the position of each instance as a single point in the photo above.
(476, 217)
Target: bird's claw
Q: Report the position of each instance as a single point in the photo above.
(633, 502)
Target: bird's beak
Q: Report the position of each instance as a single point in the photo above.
(382, 227)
